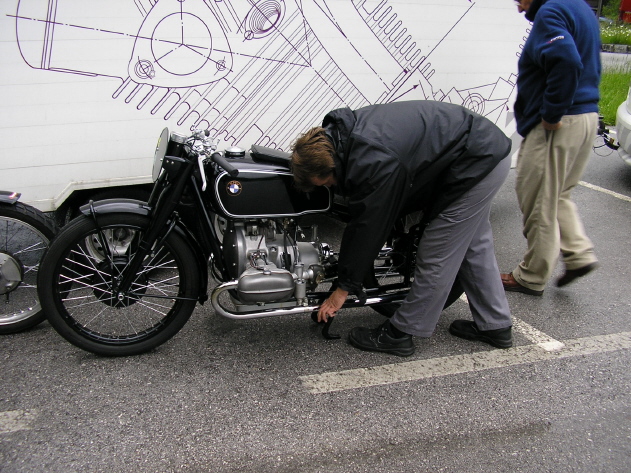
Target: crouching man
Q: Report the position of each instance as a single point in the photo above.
(392, 158)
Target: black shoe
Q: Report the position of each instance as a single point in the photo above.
(500, 338)
(381, 339)
(571, 274)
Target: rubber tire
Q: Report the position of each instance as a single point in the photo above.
(68, 328)
(45, 226)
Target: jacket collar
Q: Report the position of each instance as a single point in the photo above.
(338, 125)
(534, 8)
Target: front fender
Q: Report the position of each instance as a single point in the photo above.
(109, 206)
(139, 207)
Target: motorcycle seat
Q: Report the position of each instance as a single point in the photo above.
(270, 155)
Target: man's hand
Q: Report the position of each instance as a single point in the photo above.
(551, 126)
(330, 306)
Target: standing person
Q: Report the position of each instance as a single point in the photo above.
(393, 158)
(557, 114)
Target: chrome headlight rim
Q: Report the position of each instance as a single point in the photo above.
(158, 156)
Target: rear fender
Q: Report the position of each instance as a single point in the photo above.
(139, 207)
(8, 197)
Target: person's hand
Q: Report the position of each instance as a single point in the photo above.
(551, 126)
(330, 306)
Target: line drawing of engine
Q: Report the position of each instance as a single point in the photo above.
(251, 71)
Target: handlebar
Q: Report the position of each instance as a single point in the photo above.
(223, 163)
(204, 146)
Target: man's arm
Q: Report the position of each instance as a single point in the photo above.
(559, 57)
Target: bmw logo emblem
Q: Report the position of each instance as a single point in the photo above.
(234, 188)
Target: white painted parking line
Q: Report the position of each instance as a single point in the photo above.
(13, 421)
(605, 191)
(458, 364)
(536, 336)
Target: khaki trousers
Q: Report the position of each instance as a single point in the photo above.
(549, 165)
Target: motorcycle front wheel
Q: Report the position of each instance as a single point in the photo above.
(25, 234)
(78, 278)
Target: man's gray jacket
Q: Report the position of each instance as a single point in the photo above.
(399, 157)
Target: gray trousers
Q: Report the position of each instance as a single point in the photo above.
(459, 242)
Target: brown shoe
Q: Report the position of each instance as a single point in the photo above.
(509, 283)
(571, 274)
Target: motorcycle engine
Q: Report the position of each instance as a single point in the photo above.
(270, 266)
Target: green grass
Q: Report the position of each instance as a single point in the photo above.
(616, 34)
(610, 9)
(614, 86)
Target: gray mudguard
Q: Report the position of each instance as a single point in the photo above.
(109, 206)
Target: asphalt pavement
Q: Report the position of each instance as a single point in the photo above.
(272, 395)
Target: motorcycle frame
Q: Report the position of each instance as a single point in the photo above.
(179, 175)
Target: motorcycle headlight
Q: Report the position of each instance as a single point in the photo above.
(158, 156)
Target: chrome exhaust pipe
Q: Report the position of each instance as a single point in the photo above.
(214, 300)
(374, 297)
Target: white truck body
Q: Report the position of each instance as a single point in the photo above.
(86, 86)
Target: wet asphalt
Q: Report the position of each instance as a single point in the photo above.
(234, 396)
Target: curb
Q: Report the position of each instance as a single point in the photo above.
(616, 48)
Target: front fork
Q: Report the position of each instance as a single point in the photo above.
(162, 211)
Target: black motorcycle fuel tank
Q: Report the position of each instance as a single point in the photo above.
(264, 189)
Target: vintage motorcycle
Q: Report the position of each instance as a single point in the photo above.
(125, 276)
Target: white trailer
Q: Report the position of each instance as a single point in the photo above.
(87, 85)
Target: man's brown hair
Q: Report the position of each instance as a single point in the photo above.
(312, 156)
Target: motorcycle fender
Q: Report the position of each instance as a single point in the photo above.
(109, 206)
(8, 197)
(139, 207)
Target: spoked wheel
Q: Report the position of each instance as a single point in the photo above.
(80, 275)
(25, 233)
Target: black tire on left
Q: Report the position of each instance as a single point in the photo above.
(76, 286)
(25, 233)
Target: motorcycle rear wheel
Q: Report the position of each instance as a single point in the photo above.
(25, 234)
(76, 286)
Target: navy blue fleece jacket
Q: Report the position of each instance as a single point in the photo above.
(559, 68)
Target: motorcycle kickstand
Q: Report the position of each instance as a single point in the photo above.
(325, 330)
(327, 326)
